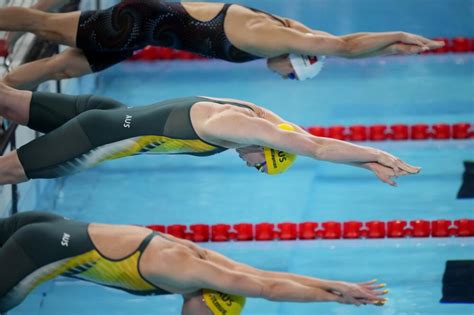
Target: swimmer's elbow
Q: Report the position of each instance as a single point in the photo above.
(275, 290)
(269, 291)
(317, 149)
(318, 153)
(330, 45)
(343, 48)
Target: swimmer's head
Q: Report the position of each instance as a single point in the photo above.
(208, 302)
(296, 67)
(267, 160)
(222, 303)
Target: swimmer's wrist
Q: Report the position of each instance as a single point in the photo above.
(377, 155)
(401, 36)
(331, 285)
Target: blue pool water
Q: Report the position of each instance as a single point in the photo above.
(180, 189)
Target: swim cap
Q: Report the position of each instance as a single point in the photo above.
(279, 161)
(222, 303)
(306, 67)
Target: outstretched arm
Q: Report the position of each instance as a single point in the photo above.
(338, 287)
(191, 272)
(245, 131)
(345, 290)
(358, 45)
(384, 173)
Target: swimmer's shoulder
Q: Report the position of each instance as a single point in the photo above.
(233, 100)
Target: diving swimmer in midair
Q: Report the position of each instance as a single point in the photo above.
(231, 32)
(83, 131)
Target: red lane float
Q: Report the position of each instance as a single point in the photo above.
(153, 53)
(461, 45)
(200, 232)
(378, 133)
(441, 131)
(399, 132)
(337, 132)
(376, 229)
(445, 49)
(3, 48)
(440, 228)
(244, 232)
(177, 230)
(318, 131)
(220, 232)
(420, 228)
(157, 228)
(307, 230)
(331, 230)
(420, 132)
(358, 133)
(396, 228)
(264, 231)
(396, 132)
(462, 131)
(352, 229)
(287, 231)
(465, 227)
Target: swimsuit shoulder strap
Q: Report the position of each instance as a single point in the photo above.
(226, 102)
(146, 241)
(269, 14)
(225, 8)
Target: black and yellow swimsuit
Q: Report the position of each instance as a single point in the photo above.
(37, 247)
(83, 131)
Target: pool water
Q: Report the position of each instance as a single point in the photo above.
(221, 189)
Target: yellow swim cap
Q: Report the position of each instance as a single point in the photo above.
(223, 304)
(279, 161)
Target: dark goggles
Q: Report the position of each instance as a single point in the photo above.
(260, 167)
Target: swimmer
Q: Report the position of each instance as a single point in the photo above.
(231, 32)
(83, 131)
(36, 247)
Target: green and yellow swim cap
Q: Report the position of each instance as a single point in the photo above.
(277, 161)
(223, 304)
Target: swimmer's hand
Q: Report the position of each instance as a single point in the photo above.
(384, 173)
(396, 165)
(420, 41)
(405, 49)
(360, 293)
